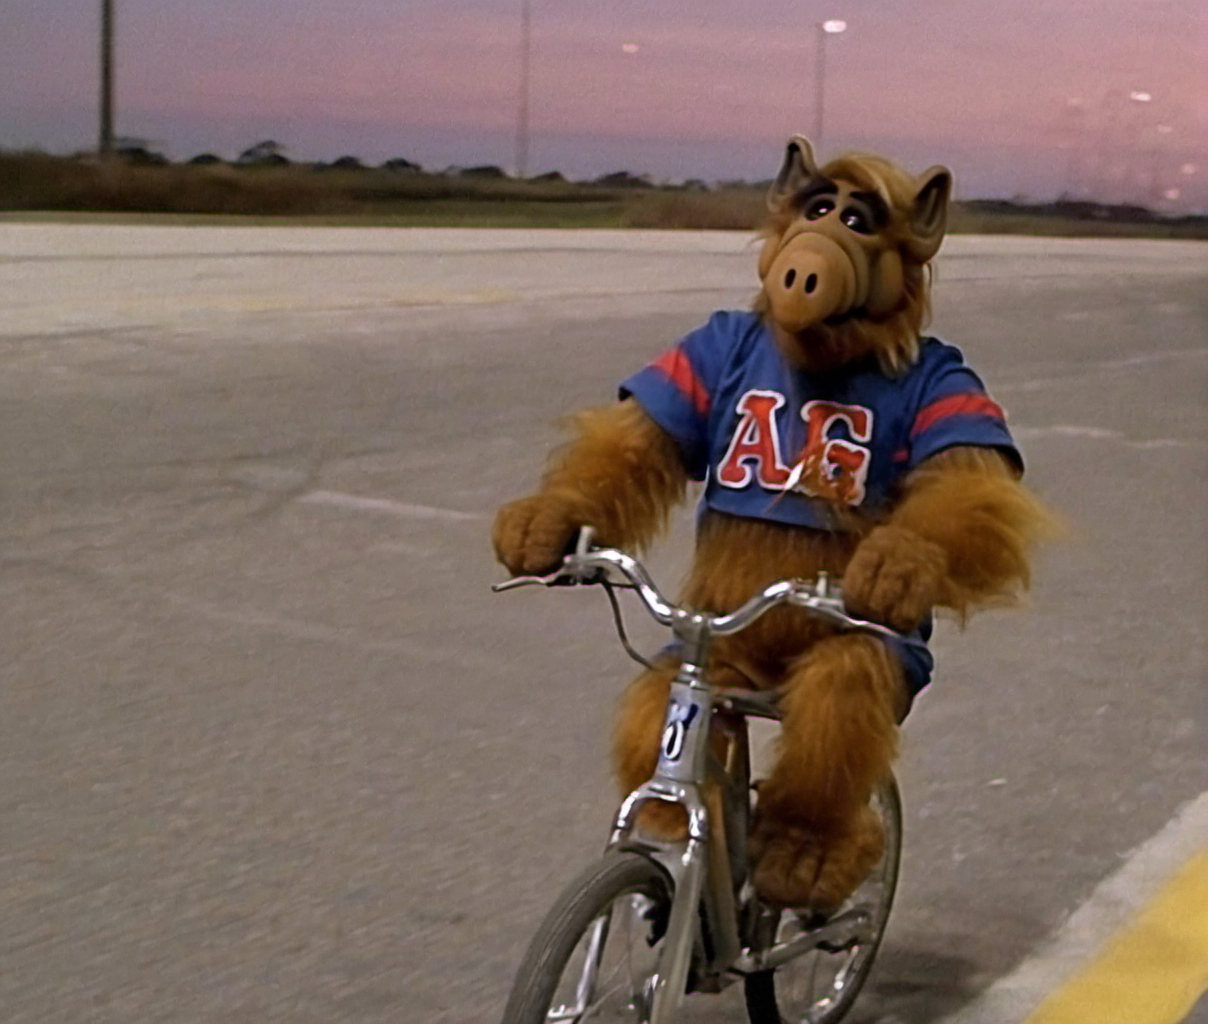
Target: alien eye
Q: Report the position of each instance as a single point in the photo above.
(857, 220)
(819, 208)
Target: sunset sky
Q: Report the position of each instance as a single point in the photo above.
(1019, 97)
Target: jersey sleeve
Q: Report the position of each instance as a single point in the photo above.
(677, 389)
(954, 409)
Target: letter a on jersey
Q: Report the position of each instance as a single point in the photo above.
(755, 444)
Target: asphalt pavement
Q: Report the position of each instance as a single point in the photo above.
(270, 749)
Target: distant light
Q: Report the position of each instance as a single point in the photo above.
(1140, 97)
(1165, 129)
(630, 47)
(834, 27)
(1188, 169)
(1172, 194)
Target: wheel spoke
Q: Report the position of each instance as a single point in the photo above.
(591, 962)
(610, 980)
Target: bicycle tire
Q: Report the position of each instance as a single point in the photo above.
(830, 1002)
(584, 902)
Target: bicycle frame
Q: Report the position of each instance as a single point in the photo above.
(679, 778)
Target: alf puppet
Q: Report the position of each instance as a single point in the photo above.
(831, 436)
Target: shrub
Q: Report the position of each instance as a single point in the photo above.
(487, 171)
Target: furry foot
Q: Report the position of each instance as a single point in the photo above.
(803, 868)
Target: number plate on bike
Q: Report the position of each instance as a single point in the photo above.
(682, 740)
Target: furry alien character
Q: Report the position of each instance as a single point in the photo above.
(831, 435)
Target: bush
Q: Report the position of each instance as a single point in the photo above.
(488, 172)
(141, 156)
(733, 210)
(205, 185)
(35, 181)
(623, 179)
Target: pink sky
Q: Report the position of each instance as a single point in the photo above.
(1025, 97)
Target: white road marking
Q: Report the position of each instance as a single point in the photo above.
(279, 478)
(385, 506)
(1076, 431)
(1068, 430)
(1061, 379)
(1113, 903)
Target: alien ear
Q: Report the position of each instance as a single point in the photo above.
(798, 168)
(929, 213)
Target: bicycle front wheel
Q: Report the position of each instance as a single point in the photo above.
(819, 985)
(596, 953)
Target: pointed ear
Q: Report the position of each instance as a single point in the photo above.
(929, 215)
(798, 168)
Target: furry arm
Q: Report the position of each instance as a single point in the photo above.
(961, 536)
(620, 474)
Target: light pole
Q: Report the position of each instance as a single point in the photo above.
(823, 29)
(522, 114)
(1135, 190)
(106, 132)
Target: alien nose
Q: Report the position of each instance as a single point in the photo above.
(810, 279)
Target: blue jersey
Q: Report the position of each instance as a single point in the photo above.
(774, 442)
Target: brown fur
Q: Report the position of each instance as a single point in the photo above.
(959, 537)
(621, 474)
(969, 501)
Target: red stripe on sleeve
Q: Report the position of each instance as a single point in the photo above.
(679, 370)
(955, 405)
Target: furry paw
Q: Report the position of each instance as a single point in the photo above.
(807, 869)
(531, 535)
(894, 577)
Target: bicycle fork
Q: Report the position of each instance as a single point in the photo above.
(679, 778)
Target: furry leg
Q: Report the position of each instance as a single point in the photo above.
(815, 837)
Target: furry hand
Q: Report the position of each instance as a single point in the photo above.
(894, 577)
(531, 535)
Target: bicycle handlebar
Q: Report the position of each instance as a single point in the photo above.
(588, 564)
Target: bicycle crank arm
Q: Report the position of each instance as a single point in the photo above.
(839, 933)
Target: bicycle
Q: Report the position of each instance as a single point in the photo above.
(655, 920)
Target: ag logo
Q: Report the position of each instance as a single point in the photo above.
(834, 460)
(676, 731)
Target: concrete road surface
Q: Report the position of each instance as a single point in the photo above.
(271, 751)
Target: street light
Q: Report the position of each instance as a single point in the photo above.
(831, 27)
(522, 114)
(106, 132)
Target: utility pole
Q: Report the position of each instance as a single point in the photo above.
(106, 134)
(522, 115)
(823, 29)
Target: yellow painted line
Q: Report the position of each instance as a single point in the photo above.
(1153, 971)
